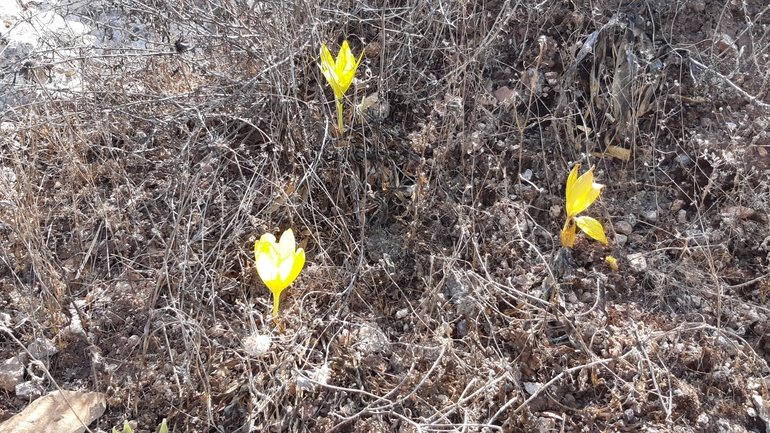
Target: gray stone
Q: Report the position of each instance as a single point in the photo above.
(623, 228)
(11, 373)
(681, 216)
(29, 390)
(650, 216)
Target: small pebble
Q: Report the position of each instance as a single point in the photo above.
(638, 262)
(623, 228)
(703, 421)
(681, 216)
(621, 240)
(677, 205)
(650, 216)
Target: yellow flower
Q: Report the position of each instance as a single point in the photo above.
(581, 192)
(339, 73)
(278, 264)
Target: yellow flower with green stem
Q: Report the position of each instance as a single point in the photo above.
(339, 73)
(278, 263)
(581, 192)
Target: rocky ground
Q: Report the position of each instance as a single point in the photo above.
(146, 150)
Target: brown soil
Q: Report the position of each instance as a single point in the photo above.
(436, 296)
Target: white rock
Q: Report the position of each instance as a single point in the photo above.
(29, 390)
(763, 408)
(681, 216)
(638, 262)
(11, 373)
(532, 387)
(703, 421)
(59, 411)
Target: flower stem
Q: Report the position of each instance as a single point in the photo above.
(276, 301)
(339, 114)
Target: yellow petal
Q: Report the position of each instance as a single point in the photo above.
(612, 262)
(286, 245)
(581, 192)
(340, 72)
(278, 264)
(573, 175)
(267, 264)
(267, 238)
(592, 228)
(573, 194)
(327, 63)
(347, 65)
(265, 245)
(345, 57)
(329, 70)
(596, 188)
(297, 265)
(576, 196)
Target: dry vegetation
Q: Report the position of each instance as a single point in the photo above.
(436, 297)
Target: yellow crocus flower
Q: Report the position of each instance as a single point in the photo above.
(278, 263)
(581, 192)
(339, 73)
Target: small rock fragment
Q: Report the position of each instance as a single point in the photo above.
(677, 205)
(545, 424)
(505, 95)
(763, 408)
(703, 421)
(638, 262)
(630, 416)
(59, 411)
(11, 373)
(555, 211)
(623, 227)
(725, 42)
(532, 387)
(650, 216)
(681, 216)
(620, 240)
(42, 348)
(29, 390)
(371, 339)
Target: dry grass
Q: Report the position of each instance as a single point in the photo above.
(132, 204)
